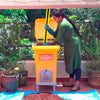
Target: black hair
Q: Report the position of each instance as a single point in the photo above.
(59, 12)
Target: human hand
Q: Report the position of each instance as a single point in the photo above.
(47, 43)
(46, 26)
(49, 29)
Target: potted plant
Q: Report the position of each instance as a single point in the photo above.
(10, 77)
(10, 80)
(14, 76)
(10, 40)
(23, 73)
(13, 69)
(93, 66)
(16, 56)
(94, 73)
(91, 49)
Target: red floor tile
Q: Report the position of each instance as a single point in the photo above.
(32, 86)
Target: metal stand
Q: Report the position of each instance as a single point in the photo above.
(53, 84)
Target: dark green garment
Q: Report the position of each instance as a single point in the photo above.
(72, 45)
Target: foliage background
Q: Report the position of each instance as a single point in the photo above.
(17, 28)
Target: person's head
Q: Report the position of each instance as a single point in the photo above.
(58, 15)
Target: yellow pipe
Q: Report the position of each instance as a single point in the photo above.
(46, 22)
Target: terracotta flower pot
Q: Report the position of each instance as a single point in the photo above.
(94, 79)
(10, 83)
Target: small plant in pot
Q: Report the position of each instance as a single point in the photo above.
(13, 61)
(23, 73)
(94, 73)
(93, 66)
(10, 78)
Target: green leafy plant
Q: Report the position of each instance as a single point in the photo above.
(2, 57)
(61, 53)
(93, 50)
(20, 66)
(94, 66)
(90, 39)
(10, 34)
(10, 39)
(14, 67)
(10, 60)
(10, 72)
(28, 52)
(13, 16)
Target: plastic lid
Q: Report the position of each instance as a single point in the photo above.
(39, 28)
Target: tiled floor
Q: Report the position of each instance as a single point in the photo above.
(32, 86)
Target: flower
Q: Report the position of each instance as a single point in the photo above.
(17, 68)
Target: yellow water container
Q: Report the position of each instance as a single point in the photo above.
(45, 59)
